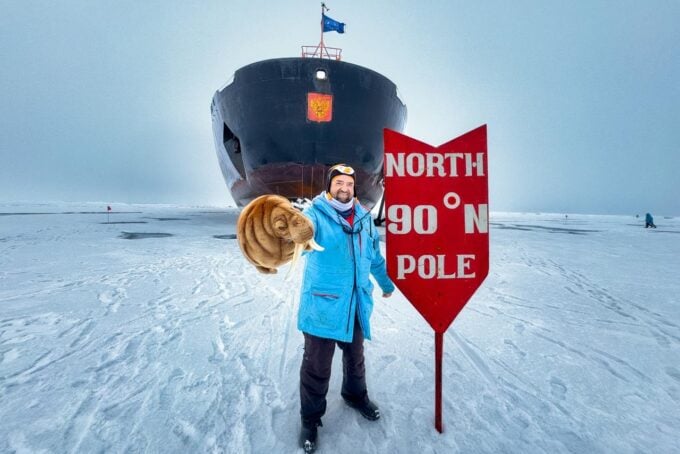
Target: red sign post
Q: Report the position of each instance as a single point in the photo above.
(437, 228)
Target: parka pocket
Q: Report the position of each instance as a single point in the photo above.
(370, 245)
(327, 308)
(326, 295)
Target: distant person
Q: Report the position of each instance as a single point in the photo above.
(649, 221)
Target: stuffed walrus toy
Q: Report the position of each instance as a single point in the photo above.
(271, 233)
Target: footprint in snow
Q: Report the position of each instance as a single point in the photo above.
(673, 373)
(558, 388)
(387, 360)
(518, 351)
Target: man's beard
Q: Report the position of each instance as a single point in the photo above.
(343, 197)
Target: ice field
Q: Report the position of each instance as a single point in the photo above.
(151, 333)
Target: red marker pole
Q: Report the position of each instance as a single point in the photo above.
(438, 355)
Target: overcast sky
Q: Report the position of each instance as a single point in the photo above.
(110, 100)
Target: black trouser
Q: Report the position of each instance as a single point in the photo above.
(315, 373)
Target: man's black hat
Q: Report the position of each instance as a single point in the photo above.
(339, 169)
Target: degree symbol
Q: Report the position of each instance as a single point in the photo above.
(456, 200)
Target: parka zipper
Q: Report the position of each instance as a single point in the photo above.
(354, 276)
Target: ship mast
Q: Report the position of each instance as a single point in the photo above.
(321, 51)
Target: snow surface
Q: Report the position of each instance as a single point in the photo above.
(173, 343)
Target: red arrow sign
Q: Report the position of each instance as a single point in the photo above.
(436, 200)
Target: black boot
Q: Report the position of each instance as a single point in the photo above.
(368, 409)
(308, 435)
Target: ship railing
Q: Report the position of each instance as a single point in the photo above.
(330, 53)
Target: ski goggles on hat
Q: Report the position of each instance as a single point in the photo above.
(342, 168)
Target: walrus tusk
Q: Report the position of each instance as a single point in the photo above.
(314, 245)
(296, 257)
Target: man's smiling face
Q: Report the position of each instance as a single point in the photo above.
(342, 188)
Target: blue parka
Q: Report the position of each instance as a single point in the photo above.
(336, 283)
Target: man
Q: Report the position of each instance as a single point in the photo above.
(336, 300)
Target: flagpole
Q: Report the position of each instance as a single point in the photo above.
(321, 46)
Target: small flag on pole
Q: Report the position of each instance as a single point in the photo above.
(331, 25)
(108, 210)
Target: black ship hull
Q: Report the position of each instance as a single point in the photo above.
(273, 137)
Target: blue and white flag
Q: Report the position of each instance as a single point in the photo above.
(331, 25)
